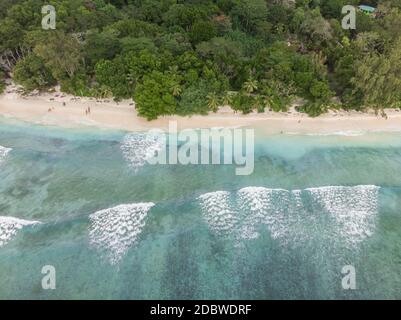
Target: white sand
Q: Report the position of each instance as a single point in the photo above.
(112, 115)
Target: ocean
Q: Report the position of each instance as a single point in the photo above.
(85, 202)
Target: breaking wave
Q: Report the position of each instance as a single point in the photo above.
(344, 215)
(3, 153)
(218, 212)
(138, 148)
(113, 231)
(9, 227)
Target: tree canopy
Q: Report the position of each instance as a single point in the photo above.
(190, 56)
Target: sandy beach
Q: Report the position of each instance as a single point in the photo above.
(59, 109)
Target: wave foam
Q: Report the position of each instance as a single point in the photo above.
(113, 231)
(9, 227)
(137, 148)
(217, 211)
(353, 209)
(3, 153)
(340, 214)
(264, 206)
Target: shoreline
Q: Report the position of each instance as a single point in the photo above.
(66, 111)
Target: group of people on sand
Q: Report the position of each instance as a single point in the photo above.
(87, 110)
(53, 108)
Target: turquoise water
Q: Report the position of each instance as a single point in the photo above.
(113, 229)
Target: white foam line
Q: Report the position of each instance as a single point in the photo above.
(138, 148)
(114, 230)
(330, 188)
(334, 213)
(3, 153)
(218, 213)
(9, 227)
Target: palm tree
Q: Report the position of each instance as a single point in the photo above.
(227, 98)
(212, 101)
(173, 69)
(266, 101)
(131, 78)
(176, 90)
(250, 86)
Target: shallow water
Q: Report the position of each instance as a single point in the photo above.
(113, 226)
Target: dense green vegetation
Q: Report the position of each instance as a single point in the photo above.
(190, 56)
(2, 81)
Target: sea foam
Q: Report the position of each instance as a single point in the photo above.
(218, 212)
(352, 209)
(3, 153)
(138, 148)
(340, 214)
(9, 227)
(113, 231)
